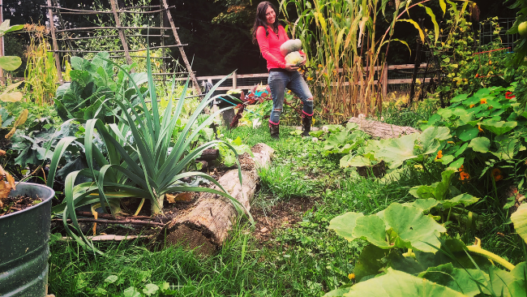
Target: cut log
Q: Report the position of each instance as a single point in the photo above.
(207, 225)
(382, 130)
(209, 155)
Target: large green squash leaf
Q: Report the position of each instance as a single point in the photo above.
(498, 128)
(519, 218)
(464, 199)
(10, 63)
(424, 204)
(396, 284)
(396, 151)
(372, 229)
(344, 224)
(439, 190)
(431, 137)
(457, 279)
(413, 229)
(370, 262)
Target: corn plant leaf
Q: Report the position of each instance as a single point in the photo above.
(416, 25)
(519, 219)
(461, 280)
(413, 229)
(442, 4)
(343, 225)
(397, 283)
(399, 40)
(430, 12)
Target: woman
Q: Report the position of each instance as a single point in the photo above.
(270, 36)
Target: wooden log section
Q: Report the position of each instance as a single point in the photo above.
(382, 130)
(209, 155)
(207, 225)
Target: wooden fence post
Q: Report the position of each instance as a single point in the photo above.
(234, 78)
(55, 45)
(385, 81)
(181, 50)
(121, 32)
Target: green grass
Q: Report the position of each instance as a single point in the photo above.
(306, 260)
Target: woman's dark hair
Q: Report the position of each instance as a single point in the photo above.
(261, 19)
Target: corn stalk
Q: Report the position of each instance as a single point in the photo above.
(348, 57)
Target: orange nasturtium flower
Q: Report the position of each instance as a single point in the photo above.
(496, 174)
(479, 128)
(483, 101)
(461, 168)
(464, 176)
(351, 276)
(439, 155)
(319, 65)
(472, 105)
(309, 78)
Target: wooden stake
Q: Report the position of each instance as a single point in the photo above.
(121, 32)
(55, 45)
(181, 50)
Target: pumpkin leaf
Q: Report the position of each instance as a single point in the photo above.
(519, 219)
(343, 225)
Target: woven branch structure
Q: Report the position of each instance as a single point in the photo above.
(164, 11)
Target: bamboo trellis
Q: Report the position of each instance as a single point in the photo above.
(163, 9)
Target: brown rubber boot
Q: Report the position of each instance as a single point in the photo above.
(275, 131)
(306, 125)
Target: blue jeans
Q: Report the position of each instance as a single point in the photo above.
(278, 81)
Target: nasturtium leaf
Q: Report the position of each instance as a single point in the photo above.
(459, 98)
(460, 280)
(464, 199)
(480, 144)
(461, 150)
(10, 63)
(397, 283)
(396, 151)
(467, 132)
(344, 224)
(372, 229)
(414, 230)
(498, 128)
(446, 159)
(370, 262)
(519, 219)
(456, 164)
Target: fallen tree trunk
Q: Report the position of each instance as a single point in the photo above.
(382, 130)
(209, 155)
(206, 226)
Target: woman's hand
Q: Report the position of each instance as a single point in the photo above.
(291, 67)
(303, 61)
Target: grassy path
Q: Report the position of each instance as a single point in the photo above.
(295, 255)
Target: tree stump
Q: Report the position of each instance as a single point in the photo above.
(382, 130)
(206, 226)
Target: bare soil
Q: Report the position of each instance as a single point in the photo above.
(282, 215)
(18, 203)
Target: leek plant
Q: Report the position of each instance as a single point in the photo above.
(349, 53)
(138, 158)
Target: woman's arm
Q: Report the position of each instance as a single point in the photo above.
(263, 42)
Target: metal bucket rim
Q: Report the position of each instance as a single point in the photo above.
(35, 206)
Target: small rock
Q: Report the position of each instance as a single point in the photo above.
(264, 230)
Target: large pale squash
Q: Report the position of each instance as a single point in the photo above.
(291, 45)
(294, 58)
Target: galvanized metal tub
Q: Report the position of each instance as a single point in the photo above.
(24, 248)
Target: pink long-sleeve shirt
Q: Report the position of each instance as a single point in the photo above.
(270, 46)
